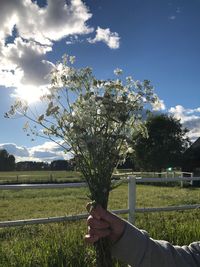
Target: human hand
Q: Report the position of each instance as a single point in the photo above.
(102, 223)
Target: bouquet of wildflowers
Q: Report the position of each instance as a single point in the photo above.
(97, 121)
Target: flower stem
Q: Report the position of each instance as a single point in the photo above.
(103, 253)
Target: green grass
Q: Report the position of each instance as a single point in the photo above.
(39, 177)
(16, 177)
(61, 245)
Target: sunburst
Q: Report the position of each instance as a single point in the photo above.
(31, 94)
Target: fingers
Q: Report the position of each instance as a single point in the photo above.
(91, 239)
(97, 228)
(95, 234)
(99, 213)
(96, 223)
(102, 223)
(100, 233)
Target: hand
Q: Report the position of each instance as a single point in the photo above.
(102, 223)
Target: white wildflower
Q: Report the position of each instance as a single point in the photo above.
(118, 71)
(98, 111)
(129, 79)
(158, 105)
(72, 59)
(130, 150)
(138, 84)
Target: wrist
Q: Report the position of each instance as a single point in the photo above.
(117, 228)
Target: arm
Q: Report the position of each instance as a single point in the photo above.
(135, 247)
(139, 250)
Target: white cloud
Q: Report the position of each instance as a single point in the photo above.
(48, 151)
(15, 150)
(46, 24)
(172, 17)
(23, 63)
(112, 39)
(61, 19)
(28, 32)
(34, 29)
(190, 118)
(73, 40)
(10, 78)
(183, 114)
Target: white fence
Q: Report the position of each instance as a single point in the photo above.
(131, 200)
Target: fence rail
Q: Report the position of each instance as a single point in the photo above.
(131, 180)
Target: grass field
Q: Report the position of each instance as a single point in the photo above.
(16, 177)
(60, 245)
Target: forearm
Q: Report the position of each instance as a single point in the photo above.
(137, 249)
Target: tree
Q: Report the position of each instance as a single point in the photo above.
(32, 166)
(11, 162)
(7, 162)
(94, 120)
(164, 145)
(60, 165)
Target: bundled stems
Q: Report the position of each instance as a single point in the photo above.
(95, 120)
(103, 253)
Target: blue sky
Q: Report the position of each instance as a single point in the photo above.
(149, 39)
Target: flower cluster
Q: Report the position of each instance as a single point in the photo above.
(97, 120)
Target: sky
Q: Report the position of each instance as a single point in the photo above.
(149, 39)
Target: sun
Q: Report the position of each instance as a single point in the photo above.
(31, 94)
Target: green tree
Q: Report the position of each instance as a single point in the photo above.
(164, 145)
(7, 162)
(3, 159)
(11, 163)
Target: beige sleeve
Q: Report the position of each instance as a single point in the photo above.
(137, 249)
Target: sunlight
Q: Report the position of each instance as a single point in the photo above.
(31, 94)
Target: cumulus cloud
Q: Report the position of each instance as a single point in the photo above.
(190, 118)
(112, 39)
(15, 150)
(183, 114)
(27, 34)
(73, 40)
(23, 63)
(44, 25)
(47, 152)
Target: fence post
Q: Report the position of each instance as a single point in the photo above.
(192, 175)
(131, 198)
(182, 181)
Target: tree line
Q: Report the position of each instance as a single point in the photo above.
(7, 163)
(163, 148)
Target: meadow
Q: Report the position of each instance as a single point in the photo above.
(48, 176)
(17, 177)
(62, 244)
